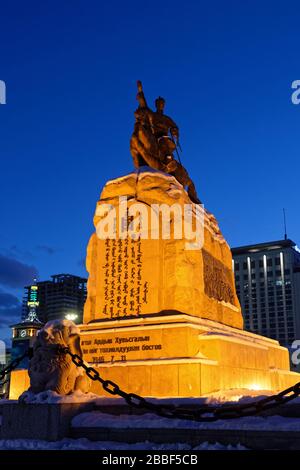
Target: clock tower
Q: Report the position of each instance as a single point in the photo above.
(25, 332)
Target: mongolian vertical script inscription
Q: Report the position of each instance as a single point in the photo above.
(125, 289)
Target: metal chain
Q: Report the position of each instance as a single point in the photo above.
(203, 414)
(13, 364)
(4, 383)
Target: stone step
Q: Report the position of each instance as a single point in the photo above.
(288, 410)
(252, 439)
(119, 422)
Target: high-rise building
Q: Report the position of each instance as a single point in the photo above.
(31, 303)
(267, 277)
(5, 359)
(61, 297)
(24, 333)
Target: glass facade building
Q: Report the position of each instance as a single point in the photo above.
(267, 277)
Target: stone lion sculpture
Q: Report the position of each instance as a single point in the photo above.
(49, 369)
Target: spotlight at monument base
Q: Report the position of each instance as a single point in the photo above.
(256, 386)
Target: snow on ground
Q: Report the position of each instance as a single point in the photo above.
(85, 444)
(94, 419)
(240, 395)
(52, 397)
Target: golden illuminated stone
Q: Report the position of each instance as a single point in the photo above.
(183, 335)
(150, 276)
(181, 356)
(19, 382)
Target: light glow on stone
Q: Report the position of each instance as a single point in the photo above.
(255, 386)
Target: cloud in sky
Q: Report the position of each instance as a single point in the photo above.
(46, 249)
(15, 250)
(9, 316)
(10, 313)
(14, 273)
(8, 300)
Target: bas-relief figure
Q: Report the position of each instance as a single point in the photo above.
(154, 140)
(51, 370)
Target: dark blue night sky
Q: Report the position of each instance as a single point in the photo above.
(70, 67)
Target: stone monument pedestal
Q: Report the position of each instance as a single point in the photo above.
(162, 318)
(176, 355)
